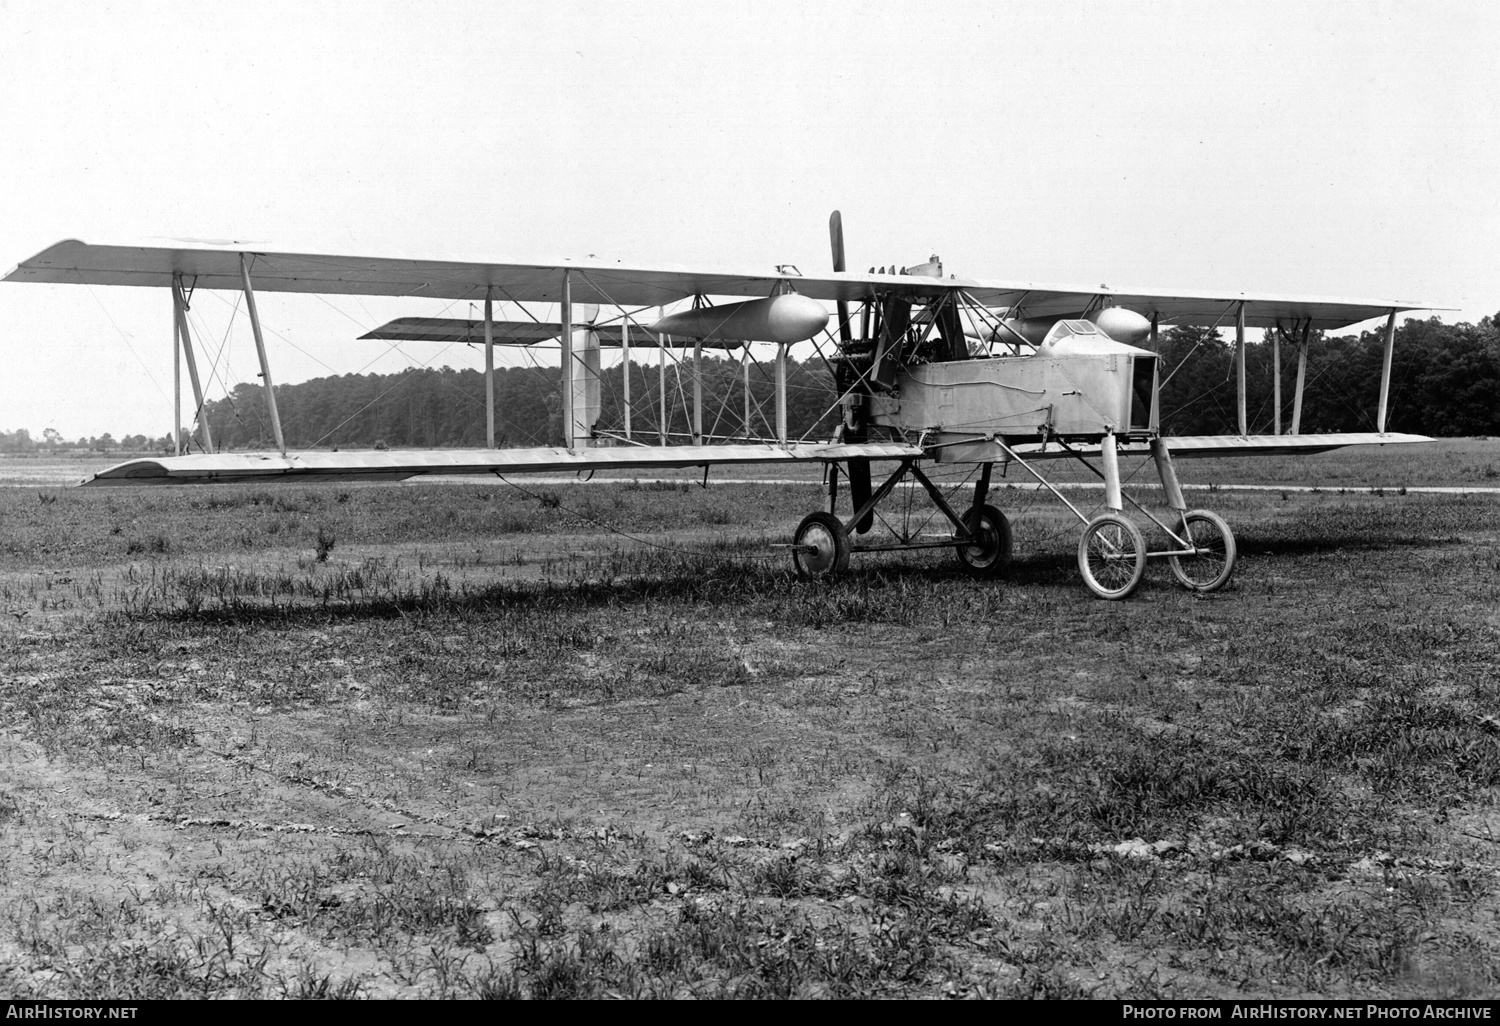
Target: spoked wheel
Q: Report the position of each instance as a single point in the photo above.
(1210, 569)
(820, 548)
(1112, 556)
(989, 553)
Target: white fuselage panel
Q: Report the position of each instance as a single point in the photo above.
(1070, 395)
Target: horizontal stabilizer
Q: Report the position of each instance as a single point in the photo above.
(400, 465)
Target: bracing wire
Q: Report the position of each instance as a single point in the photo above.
(126, 339)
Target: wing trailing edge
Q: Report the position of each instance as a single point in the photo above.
(1190, 446)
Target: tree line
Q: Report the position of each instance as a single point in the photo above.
(445, 408)
(52, 440)
(1445, 380)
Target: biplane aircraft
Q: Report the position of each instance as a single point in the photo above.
(929, 371)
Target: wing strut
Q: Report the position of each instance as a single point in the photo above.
(185, 339)
(489, 366)
(1239, 368)
(1385, 371)
(566, 364)
(745, 381)
(1301, 377)
(698, 392)
(781, 393)
(625, 366)
(661, 375)
(260, 351)
(1276, 374)
(176, 386)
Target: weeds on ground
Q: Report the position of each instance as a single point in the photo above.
(637, 772)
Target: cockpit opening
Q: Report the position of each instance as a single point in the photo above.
(1142, 393)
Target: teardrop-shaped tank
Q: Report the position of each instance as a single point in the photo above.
(1117, 322)
(786, 319)
(1122, 325)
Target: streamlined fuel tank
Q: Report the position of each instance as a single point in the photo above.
(1120, 324)
(786, 318)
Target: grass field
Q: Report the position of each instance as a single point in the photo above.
(587, 740)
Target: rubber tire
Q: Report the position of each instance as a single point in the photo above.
(1191, 571)
(992, 557)
(825, 531)
(1131, 556)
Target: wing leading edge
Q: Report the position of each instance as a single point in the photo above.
(218, 267)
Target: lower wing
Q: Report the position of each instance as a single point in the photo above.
(399, 465)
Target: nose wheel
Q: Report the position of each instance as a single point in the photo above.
(1112, 556)
(1211, 563)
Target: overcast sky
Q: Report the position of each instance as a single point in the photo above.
(1335, 149)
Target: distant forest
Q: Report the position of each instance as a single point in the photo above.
(1445, 380)
(441, 408)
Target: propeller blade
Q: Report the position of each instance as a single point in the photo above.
(858, 471)
(836, 240)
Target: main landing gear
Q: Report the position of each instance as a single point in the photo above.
(1112, 551)
(980, 535)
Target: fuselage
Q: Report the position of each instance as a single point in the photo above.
(1077, 385)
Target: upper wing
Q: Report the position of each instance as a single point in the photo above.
(215, 267)
(218, 267)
